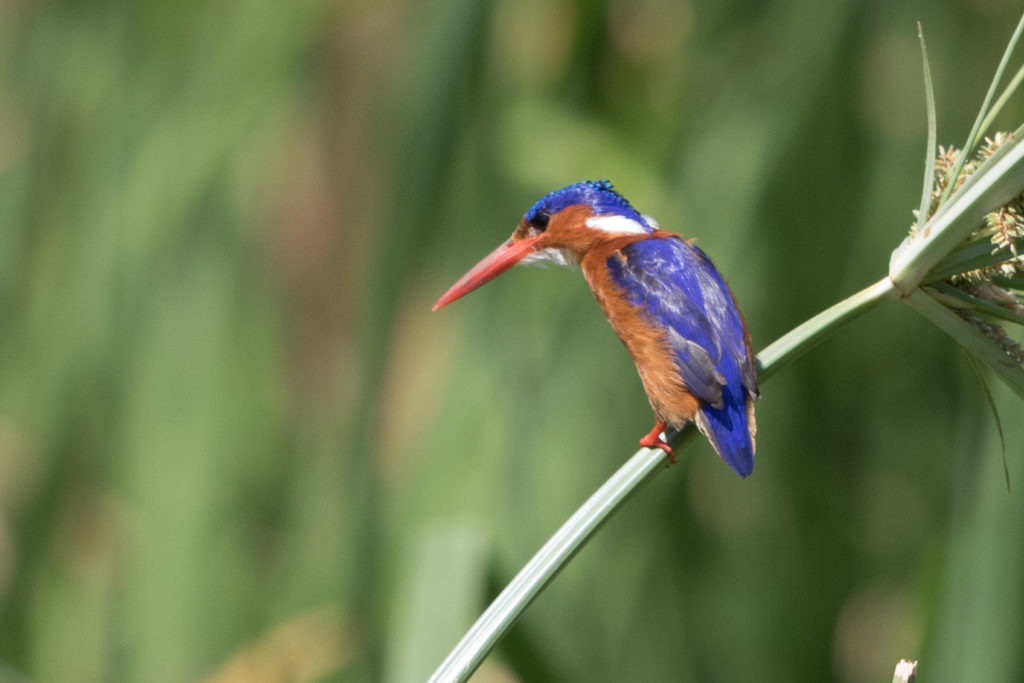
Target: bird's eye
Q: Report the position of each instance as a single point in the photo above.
(540, 221)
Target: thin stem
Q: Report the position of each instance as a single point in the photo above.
(630, 478)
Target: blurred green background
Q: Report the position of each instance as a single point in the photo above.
(236, 445)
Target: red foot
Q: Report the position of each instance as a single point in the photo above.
(653, 440)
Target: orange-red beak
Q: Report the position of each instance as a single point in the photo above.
(492, 265)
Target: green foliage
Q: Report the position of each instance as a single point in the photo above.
(235, 444)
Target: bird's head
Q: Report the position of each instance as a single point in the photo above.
(560, 228)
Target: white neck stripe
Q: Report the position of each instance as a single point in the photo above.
(616, 225)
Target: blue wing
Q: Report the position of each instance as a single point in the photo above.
(682, 291)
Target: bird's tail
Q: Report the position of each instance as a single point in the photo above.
(731, 428)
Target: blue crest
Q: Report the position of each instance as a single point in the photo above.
(597, 194)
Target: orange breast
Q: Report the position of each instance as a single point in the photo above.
(646, 342)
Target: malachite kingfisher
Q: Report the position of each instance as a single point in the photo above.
(665, 300)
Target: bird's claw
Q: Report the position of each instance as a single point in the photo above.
(653, 440)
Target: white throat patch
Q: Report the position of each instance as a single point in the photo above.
(560, 257)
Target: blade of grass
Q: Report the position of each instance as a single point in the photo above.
(977, 129)
(929, 155)
(1011, 88)
(995, 415)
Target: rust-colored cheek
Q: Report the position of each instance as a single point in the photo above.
(568, 230)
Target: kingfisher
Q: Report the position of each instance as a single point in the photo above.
(665, 300)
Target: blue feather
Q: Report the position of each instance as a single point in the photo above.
(684, 294)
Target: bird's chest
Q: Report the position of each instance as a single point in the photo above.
(646, 341)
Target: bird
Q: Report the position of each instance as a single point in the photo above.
(665, 300)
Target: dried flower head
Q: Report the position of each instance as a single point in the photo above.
(982, 280)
